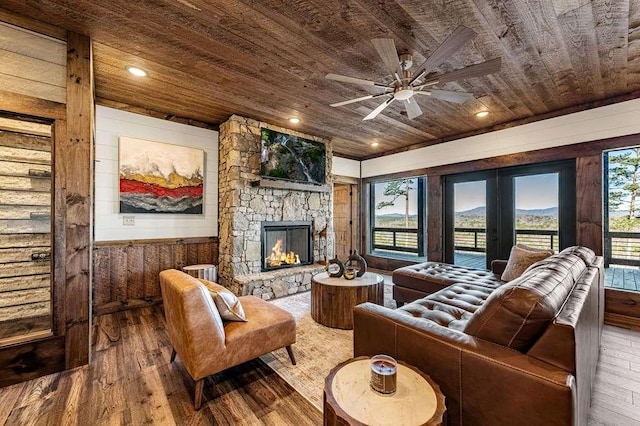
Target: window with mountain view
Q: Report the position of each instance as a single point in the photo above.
(622, 233)
(397, 218)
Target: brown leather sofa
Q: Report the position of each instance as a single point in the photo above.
(205, 343)
(519, 353)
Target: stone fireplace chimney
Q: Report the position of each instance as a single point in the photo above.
(244, 205)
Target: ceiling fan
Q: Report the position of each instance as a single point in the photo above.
(406, 84)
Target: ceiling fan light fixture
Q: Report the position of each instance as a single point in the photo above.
(294, 120)
(138, 72)
(482, 114)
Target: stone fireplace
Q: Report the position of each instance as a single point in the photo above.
(286, 244)
(248, 202)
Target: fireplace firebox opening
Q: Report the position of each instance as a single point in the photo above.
(286, 244)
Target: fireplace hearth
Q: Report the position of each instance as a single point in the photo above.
(286, 244)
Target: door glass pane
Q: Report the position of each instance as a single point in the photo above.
(622, 237)
(470, 223)
(25, 229)
(536, 215)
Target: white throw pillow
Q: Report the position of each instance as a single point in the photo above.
(228, 304)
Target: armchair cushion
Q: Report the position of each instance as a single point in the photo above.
(226, 302)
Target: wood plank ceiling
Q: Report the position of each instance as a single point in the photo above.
(267, 59)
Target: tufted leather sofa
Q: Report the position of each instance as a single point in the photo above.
(517, 353)
(417, 281)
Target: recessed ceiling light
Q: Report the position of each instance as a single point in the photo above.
(374, 144)
(294, 120)
(482, 114)
(138, 72)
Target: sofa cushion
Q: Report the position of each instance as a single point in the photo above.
(226, 302)
(520, 259)
(516, 314)
(430, 277)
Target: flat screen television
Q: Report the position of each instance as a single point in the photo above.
(292, 158)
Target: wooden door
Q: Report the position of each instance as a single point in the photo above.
(25, 230)
(345, 214)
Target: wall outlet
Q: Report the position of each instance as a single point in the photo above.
(129, 220)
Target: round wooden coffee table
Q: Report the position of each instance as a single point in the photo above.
(333, 299)
(348, 399)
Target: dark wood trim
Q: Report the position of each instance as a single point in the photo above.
(589, 202)
(294, 186)
(27, 361)
(32, 107)
(510, 124)
(435, 206)
(156, 114)
(621, 302)
(33, 25)
(77, 174)
(565, 152)
(347, 180)
(159, 241)
(623, 321)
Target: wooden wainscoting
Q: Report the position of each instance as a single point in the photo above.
(126, 272)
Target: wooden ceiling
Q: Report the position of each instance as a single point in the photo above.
(267, 59)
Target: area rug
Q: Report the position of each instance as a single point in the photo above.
(318, 348)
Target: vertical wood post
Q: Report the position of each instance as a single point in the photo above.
(434, 219)
(589, 202)
(77, 176)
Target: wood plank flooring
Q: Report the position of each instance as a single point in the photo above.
(131, 382)
(622, 278)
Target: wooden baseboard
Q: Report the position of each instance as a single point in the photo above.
(623, 321)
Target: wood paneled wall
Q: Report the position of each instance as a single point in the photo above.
(126, 272)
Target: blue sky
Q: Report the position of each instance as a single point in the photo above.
(399, 206)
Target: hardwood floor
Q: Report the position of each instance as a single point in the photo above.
(131, 382)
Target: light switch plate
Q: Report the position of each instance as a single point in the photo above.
(129, 220)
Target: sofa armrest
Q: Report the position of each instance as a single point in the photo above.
(483, 383)
(498, 266)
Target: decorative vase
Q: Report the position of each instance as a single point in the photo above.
(349, 273)
(357, 262)
(335, 268)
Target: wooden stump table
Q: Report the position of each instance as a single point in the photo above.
(333, 299)
(204, 272)
(349, 400)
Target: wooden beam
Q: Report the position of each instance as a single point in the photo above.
(435, 234)
(30, 106)
(589, 202)
(77, 174)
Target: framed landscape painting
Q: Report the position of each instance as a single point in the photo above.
(160, 178)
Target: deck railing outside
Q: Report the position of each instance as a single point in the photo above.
(622, 248)
(475, 239)
(403, 240)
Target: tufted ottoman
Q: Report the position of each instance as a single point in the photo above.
(417, 281)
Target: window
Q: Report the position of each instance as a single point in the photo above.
(397, 217)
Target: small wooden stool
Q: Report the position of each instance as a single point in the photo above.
(204, 272)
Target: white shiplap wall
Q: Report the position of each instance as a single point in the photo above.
(345, 167)
(32, 64)
(112, 123)
(599, 123)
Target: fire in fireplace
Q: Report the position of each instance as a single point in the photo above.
(286, 244)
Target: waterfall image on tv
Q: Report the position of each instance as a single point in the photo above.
(292, 158)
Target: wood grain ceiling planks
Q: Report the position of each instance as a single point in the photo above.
(267, 60)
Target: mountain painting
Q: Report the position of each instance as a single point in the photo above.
(160, 178)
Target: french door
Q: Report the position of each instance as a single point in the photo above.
(488, 212)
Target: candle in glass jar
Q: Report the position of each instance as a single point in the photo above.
(383, 374)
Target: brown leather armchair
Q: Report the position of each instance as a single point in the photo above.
(207, 345)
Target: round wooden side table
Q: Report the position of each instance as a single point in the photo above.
(348, 399)
(204, 272)
(333, 299)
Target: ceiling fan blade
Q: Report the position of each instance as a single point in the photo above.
(489, 67)
(413, 109)
(364, 98)
(455, 41)
(449, 95)
(386, 48)
(373, 114)
(352, 80)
